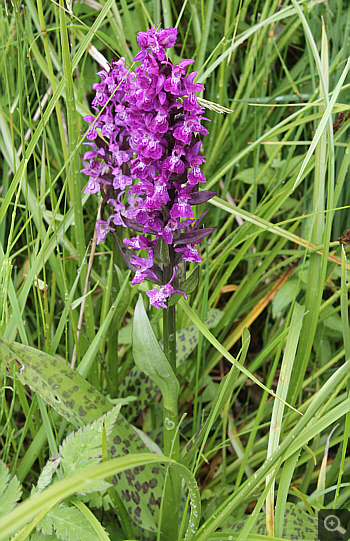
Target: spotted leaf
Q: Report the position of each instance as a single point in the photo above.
(140, 488)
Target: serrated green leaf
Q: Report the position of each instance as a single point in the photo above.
(10, 490)
(42, 503)
(76, 400)
(46, 475)
(83, 448)
(68, 523)
(37, 536)
(97, 499)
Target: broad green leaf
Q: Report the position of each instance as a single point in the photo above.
(250, 175)
(137, 384)
(10, 490)
(284, 296)
(61, 490)
(68, 523)
(83, 448)
(296, 525)
(76, 400)
(151, 359)
(334, 323)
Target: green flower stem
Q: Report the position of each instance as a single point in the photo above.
(170, 518)
(112, 353)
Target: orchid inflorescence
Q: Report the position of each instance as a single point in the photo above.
(146, 162)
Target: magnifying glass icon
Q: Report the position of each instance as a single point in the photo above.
(332, 524)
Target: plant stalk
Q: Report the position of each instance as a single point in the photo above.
(171, 498)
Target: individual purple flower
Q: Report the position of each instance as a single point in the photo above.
(190, 102)
(182, 208)
(119, 211)
(102, 230)
(109, 127)
(118, 155)
(120, 181)
(158, 298)
(174, 81)
(95, 152)
(93, 169)
(101, 98)
(185, 128)
(149, 219)
(93, 186)
(143, 268)
(174, 163)
(159, 123)
(92, 132)
(195, 175)
(189, 253)
(134, 203)
(138, 243)
(173, 225)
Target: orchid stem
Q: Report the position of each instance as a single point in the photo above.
(170, 519)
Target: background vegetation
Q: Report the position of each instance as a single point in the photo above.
(279, 162)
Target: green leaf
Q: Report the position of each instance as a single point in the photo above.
(141, 386)
(37, 536)
(43, 502)
(284, 296)
(10, 491)
(296, 525)
(249, 176)
(46, 475)
(76, 400)
(83, 448)
(334, 323)
(150, 358)
(68, 523)
(187, 338)
(189, 286)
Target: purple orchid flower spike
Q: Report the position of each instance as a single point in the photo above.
(148, 163)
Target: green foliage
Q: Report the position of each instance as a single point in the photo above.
(10, 490)
(68, 524)
(83, 448)
(76, 400)
(150, 358)
(276, 93)
(137, 384)
(296, 523)
(46, 475)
